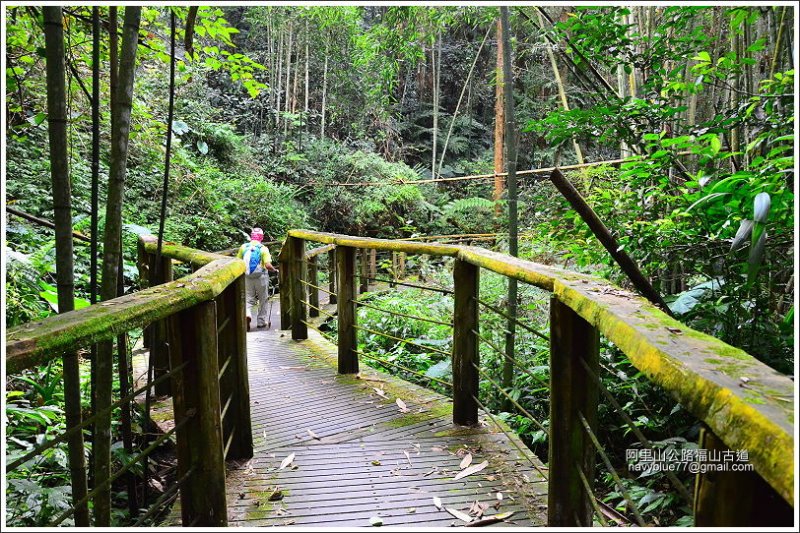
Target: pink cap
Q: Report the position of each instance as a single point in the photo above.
(257, 234)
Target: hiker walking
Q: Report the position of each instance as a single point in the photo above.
(257, 261)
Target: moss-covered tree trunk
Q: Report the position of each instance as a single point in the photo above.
(511, 171)
(62, 208)
(112, 251)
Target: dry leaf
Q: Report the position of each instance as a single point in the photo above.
(500, 496)
(437, 501)
(471, 470)
(314, 435)
(408, 457)
(376, 521)
(376, 463)
(466, 461)
(458, 514)
(286, 462)
(402, 405)
(380, 392)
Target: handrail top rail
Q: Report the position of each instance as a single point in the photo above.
(37, 342)
(702, 373)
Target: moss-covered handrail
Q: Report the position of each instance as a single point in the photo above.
(37, 342)
(745, 403)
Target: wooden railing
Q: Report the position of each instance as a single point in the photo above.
(199, 354)
(743, 404)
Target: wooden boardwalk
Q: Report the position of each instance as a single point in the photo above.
(357, 457)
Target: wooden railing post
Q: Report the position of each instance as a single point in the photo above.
(735, 498)
(465, 343)
(196, 399)
(373, 263)
(363, 276)
(395, 268)
(297, 257)
(313, 292)
(332, 276)
(159, 351)
(346, 310)
(285, 290)
(573, 393)
(233, 382)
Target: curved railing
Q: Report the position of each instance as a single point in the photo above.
(744, 403)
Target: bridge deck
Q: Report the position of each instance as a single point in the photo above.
(357, 456)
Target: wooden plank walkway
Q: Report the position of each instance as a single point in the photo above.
(357, 456)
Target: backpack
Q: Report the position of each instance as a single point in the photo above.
(252, 259)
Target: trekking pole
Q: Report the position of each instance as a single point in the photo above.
(270, 294)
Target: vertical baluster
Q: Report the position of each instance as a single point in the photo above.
(234, 384)
(395, 268)
(196, 396)
(401, 265)
(364, 271)
(347, 344)
(332, 276)
(373, 263)
(572, 392)
(313, 292)
(465, 343)
(297, 257)
(284, 288)
(159, 350)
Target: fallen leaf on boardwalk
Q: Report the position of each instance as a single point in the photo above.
(489, 520)
(286, 462)
(376, 463)
(292, 368)
(380, 392)
(275, 495)
(471, 470)
(490, 478)
(458, 514)
(478, 509)
(402, 405)
(314, 435)
(466, 461)
(499, 496)
(437, 501)
(412, 510)
(376, 521)
(408, 457)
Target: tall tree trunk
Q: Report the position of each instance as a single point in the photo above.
(62, 211)
(324, 89)
(112, 257)
(294, 82)
(499, 118)
(278, 93)
(288, 81)
(511, 169)
(436, 71)
(305, 98)
(562, 93)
